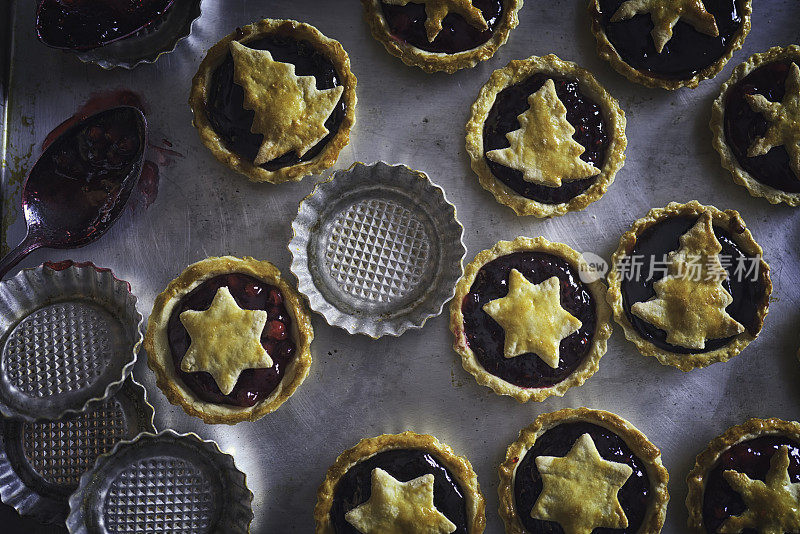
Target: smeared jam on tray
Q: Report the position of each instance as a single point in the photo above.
(232, 122)
(486, 337)
(751, 458)
(254, 385)
(558, 441)
(686, 54)
(664, 237)
(743, 126)
(407, 23)
(585, 115)
(355, 486)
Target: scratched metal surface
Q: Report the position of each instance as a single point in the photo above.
(358, 387)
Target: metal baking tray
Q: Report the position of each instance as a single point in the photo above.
(359, 387)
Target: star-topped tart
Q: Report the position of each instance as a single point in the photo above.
(543, 147)
(396, 507)
(226, 340)
(290, 112)
(665, 14)
(579, 490)
(532, 317)
(437, 10)
(784, 119)
(691, 301)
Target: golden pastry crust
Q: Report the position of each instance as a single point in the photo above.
(635, 439)
(607, 51)
(706, 460)
(470, 362)
(436, 61)
(366, 448)
(733, 223)
(217, 54)
(159, 354)
(515, 72)
(717, 125)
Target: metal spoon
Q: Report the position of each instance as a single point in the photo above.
(80, 184)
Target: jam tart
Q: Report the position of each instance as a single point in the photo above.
(525, 322)
(275, 100)
(229, 340)
(545, 137)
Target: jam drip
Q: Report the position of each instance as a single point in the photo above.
(254, 385)
(355, 487)
(657, 241)
(752, 458)
(743, 126)
(486, 337)
(686, 54)
(407, 23)
(558, 441)
(225, 106)
(583, 114)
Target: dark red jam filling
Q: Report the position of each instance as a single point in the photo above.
(254, 385)
(558, 441)
(686, 54)
(225, 106)
(486, 337)
(664, 237)
(751, 458)
(355, 487)
(583, 114)
(743, 126)
(86, 24)
(407, 23)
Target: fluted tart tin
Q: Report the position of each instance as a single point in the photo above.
(377, 249)
(69, 335)
(41, 463)
(166, 482)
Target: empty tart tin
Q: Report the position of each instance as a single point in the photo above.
(42, 462)
(69, 335)
(166, 482)
(377, 249)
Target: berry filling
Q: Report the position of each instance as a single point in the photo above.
(232, 122)
(355, 486)
(583, 114)
(486, 337)
(743, 126)
(407, 23)
(751, 458)
(652, 246)
(254, 385)
(686, 54)
(558, 441)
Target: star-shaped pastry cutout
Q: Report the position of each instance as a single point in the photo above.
(784, 119)
(437, 10)
(225, 340)
(532, 317)
(290, 112)
(543, 147)
(773, 507)
(690, 300)
(579, 490)
(665, 14)
(396, 507)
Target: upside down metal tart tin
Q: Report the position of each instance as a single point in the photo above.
(377, 249)
(166, 482)
(42, 462)
(69, 335)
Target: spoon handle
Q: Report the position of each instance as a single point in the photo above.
(28, 245)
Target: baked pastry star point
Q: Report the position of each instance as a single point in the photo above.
(396, 507)
(665, 14)
(226, 340)
(437, 10)
(579, 490)
(532, 317)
